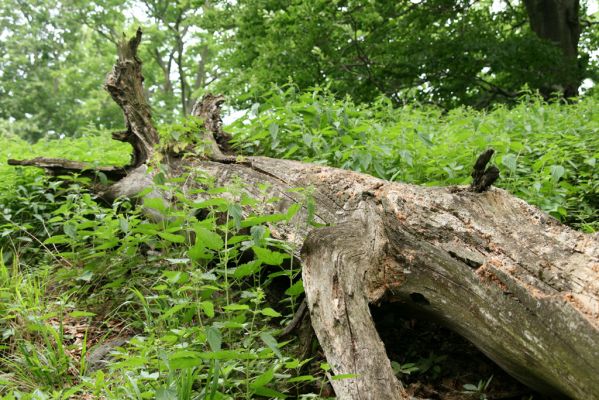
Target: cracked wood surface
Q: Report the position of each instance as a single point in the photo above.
(520, 286)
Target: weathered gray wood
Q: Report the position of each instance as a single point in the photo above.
(58, 166)
(125, 85)
(519, 285)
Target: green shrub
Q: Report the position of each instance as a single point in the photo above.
(546, 152)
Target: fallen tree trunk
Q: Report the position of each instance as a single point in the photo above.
(520, 286)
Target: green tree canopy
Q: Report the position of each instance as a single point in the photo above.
(445, 52)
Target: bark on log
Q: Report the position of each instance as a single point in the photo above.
(512, 280)
(125, 85)
(520, 286)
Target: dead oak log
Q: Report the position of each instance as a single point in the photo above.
(520, 286)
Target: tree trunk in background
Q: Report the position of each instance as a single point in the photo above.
(558, 22)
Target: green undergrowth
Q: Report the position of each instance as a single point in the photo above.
(188, 305)
(184, 296)
(97, 148)
(547, 152)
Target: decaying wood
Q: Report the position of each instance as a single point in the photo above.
(58, 166)
(520, 286)
(208, 109)
(483, 177)
(125, 85)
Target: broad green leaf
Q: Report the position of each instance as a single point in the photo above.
(269, 312)
(208, 308)
(296, 289)
(236, 307)
(214, 202)
(185, 359)
(269, 393)
(509, 160)
(209, 239)
(171, 237)
(557, 171)
(271, 342)
(269, 257)
(176, 276)
(198, 252)
(57, 239)
(173, 310)
(70, 229)
(76, 314)
(301, 378)
(263, 379)
(156, 203)
(344, 376)
(214, 338)
(262, 219)
(247, 269)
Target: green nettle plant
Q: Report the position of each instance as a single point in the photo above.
(187, 289)
(547, 153)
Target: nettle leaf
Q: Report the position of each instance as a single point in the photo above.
(57, 239)
(217, 202)
(173, 310)
(269, 312)
(171, 237)
(185, 359)
(557, 171)
(70, 229)
(236, 307)
(214, 338)
(247, 269)
(292, 210)
(198, 252)
(208, 308)
(509, 160)
(261, 219)
(209, 239)
(296, 289)
(365, 159)
(269, 257)
(124, 225)
(156, 203)
(236, 213)
(258, 234)
(176, 276)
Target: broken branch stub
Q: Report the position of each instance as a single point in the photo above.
(482, 178)
(208, 109)
(125, 85)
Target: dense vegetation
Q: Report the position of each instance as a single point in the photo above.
(192, 306)
(547, 152)
(76, 273)
(55, 54)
